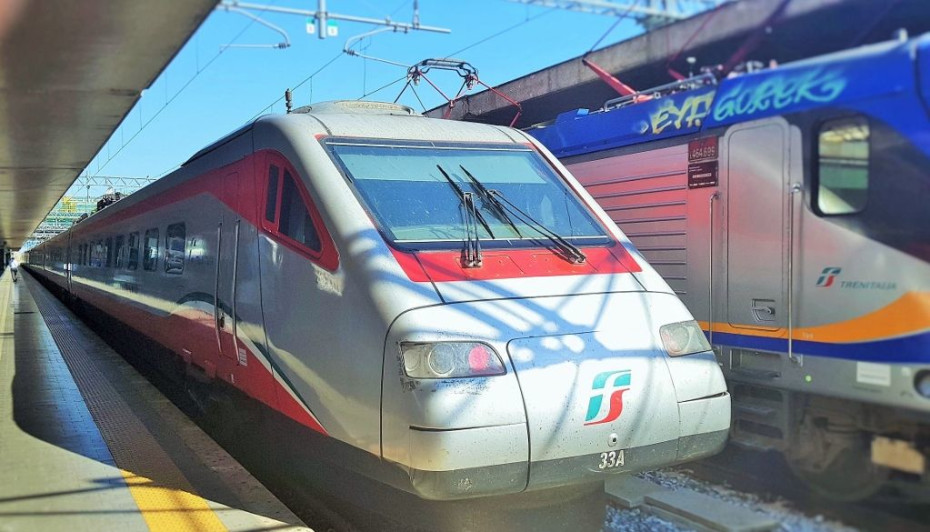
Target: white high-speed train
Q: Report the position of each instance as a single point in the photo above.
(441, 296)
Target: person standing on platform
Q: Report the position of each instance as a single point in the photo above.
(14, 268)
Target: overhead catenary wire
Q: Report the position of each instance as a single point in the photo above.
(613, 26)
(381, 88)
(335, 58)
(330, 62)
(168, 101)
(297, 86)
(466, 48)
(501, 32)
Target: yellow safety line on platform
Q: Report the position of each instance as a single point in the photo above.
(164, 508)
(169, 509)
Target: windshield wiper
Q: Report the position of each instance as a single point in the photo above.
(471, 253)
(569, 250)
(489, 198)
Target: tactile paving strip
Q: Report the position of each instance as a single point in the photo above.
(168, 503)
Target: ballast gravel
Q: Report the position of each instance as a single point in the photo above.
(791, 519)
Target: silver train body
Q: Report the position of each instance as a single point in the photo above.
(286, 260)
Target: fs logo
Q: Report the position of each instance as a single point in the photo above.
(827, 276)
(608, 385)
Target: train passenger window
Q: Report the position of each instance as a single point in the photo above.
(271, 199)
(175, 238)
(295, 221)
(133, 260)
(843, 166)
(97, 256)
(119, 251)
(108, 246)
(150, 254)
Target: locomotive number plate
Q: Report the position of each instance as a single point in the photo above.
(610, 460)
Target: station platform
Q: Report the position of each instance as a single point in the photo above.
(87, 443)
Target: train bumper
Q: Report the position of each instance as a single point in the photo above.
(442, 461)
(510, 478)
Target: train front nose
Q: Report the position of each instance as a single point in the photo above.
(587, 390)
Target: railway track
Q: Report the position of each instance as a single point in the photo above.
(768, 476)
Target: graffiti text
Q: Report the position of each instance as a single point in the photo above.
(778, 92)
(689, 114)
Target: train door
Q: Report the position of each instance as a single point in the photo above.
(756, 254)
(228, 232)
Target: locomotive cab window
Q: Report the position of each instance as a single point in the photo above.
(842, 166)
(271, 201)
(175, 239)
(150, 255)
(133, 260)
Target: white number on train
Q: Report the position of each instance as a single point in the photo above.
(611, 459)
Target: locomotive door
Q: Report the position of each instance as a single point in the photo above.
(757, 176)
(227, 269)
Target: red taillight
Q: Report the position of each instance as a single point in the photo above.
(479, 359)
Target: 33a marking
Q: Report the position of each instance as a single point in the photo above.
(611, 459)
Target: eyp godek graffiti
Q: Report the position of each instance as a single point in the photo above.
(747, 97)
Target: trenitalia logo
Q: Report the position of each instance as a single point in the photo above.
(608, 385)
(827, 276)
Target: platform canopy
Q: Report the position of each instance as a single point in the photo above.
(70, 71)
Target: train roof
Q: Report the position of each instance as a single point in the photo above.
(700, 104)
(339, 118)
(352, 118)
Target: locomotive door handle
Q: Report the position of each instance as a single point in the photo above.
(217, 317)
(763, 311)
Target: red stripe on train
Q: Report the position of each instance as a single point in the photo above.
(248, 202)
(193, 331)
(444, 266)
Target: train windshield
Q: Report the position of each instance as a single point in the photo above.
(420, 193)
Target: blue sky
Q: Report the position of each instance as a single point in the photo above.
(234, 86)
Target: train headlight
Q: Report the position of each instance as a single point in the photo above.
(684, 338)
(445, 360)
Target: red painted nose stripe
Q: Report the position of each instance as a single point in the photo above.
(444, 266)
